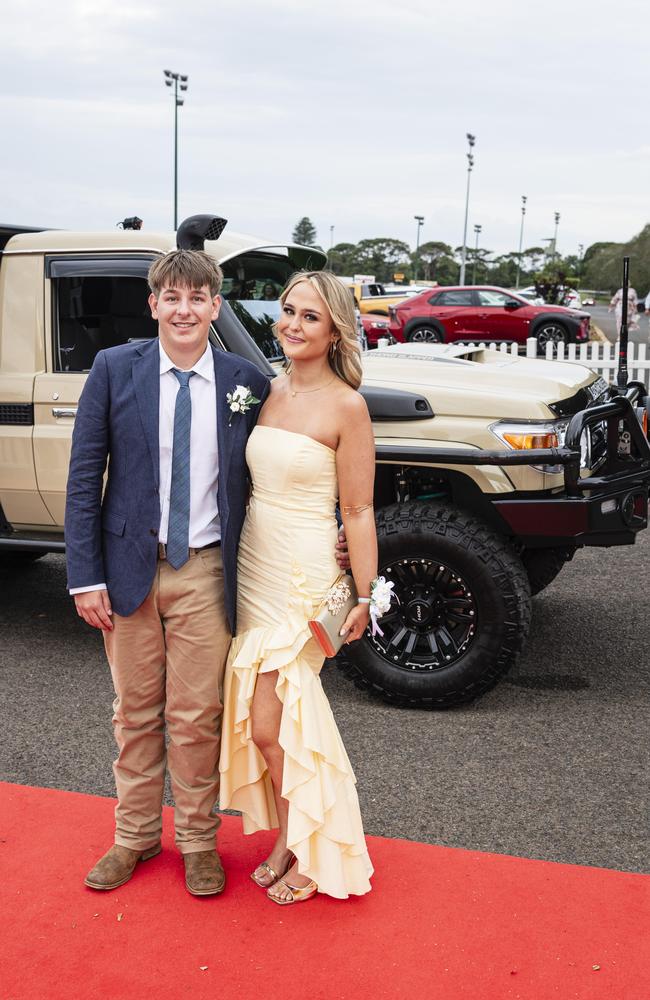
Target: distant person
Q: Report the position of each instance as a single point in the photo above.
(269, 292)
(632, 313)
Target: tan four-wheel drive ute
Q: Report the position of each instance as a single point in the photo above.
(492, 470)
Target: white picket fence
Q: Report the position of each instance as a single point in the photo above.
(602, 358)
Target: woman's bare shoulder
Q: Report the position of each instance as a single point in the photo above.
(351, 411)
(350, 402)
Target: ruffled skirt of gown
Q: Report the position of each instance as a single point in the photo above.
(285, 566)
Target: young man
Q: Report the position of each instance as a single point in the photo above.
(153, 563)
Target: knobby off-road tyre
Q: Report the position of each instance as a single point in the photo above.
(543, 565)
(461, 614)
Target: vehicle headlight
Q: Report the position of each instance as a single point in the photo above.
(523, 436)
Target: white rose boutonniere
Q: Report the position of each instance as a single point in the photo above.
(240, 401)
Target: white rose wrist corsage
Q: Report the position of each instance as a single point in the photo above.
(240, 401)
(381, 594)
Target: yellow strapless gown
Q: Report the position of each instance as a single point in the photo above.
(286, 564)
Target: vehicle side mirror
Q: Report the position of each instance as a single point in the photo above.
(512, 304)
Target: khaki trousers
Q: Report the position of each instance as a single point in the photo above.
(167, 661)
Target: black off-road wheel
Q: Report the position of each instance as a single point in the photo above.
(543, 565)
(461, 612)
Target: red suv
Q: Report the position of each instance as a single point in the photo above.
(483, 313)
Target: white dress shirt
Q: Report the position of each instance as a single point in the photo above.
(204, 457)
(205, 526)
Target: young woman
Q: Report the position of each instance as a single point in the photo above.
(283, 763)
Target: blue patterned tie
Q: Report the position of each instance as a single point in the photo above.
(178, 532)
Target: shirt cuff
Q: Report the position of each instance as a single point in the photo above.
(86, 590)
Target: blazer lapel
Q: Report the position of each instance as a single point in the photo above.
(226, 373)
(146, 381)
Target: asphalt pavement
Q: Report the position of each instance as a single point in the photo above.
(606, 321)
(551, 764)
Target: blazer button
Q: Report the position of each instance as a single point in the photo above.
(152, 531)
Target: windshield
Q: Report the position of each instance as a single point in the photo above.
(252, 286)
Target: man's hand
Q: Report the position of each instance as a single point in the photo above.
(341, 554)
(95, 608)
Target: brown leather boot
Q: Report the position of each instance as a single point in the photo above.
(204, 874)
(117, 866)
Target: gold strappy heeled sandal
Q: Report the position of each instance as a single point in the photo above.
(272, 872)
(299, 894)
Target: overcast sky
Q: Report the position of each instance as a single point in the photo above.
(353, 113)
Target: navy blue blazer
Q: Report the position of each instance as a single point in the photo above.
(114, 539)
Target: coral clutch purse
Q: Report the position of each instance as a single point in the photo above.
(337, 604)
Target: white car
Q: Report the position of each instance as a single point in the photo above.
(530, 295)
(571, 299)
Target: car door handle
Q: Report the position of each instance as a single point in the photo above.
(483, 315)
(70, 411)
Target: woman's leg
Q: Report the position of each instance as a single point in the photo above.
(266, 713)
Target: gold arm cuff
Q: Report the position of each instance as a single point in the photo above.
(357, 510)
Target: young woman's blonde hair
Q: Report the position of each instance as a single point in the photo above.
(345, 360)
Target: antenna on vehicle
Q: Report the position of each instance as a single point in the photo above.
(621, 375)
(195, 230)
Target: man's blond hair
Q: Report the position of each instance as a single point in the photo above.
(185, 269)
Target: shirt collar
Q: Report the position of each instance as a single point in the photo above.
(203, 367)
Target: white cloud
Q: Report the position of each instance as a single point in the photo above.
(354, 114)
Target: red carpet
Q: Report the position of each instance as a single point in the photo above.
(440, 923)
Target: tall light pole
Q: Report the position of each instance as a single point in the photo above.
(557, 221)
(420, 221)
(477, 230)
(179, 83)
(524, 199)
(331, 237)
(581, 250)
(471, 139)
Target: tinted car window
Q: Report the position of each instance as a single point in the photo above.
(252, 285)
(458, 298)
(96, 311)
(487, 297)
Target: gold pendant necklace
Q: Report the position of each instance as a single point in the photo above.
(303, 392)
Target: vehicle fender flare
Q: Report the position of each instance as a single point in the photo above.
(570, 325)
(424, 321)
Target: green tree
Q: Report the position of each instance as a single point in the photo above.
(478, 266)
(304, 233)
(382, 257)
(532, 258)
(550, 282)
(602, 265)
(430, 257)
(342, 258)
(503, 271)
